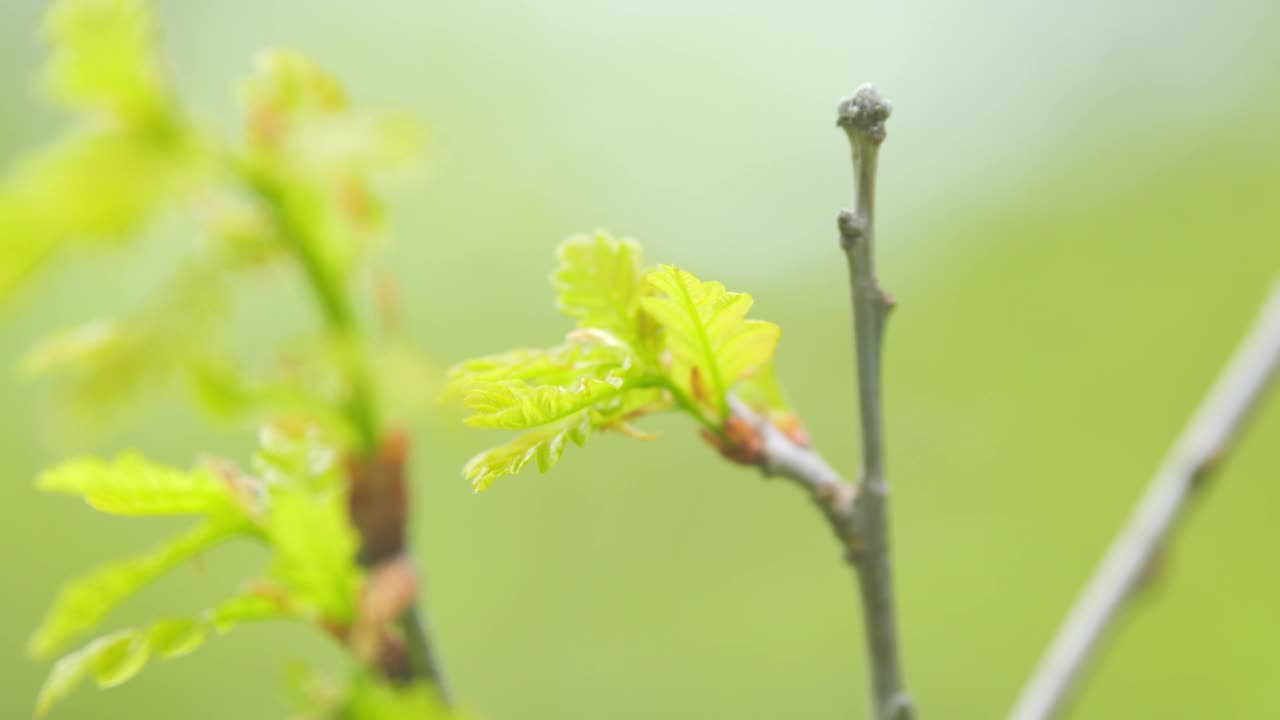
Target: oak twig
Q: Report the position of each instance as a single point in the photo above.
(1207, 438)
(862, 117)
(857, 514)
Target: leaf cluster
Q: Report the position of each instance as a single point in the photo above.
(294, 503)
(646, 340)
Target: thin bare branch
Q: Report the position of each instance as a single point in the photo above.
(1206, 439)
(857, 514)
(780, 456)
(862, 117)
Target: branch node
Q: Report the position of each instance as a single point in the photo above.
(887, 301)
(855, 551)
(741, 442)
(852, 228)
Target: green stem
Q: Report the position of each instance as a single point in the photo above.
(331, 296)
(687, 404)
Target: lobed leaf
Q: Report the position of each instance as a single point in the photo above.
(132, 485)
(118, 657)
(102, 181)
(707, 333)
(109, 364)
(315, 552)
(310, 155)
(599, 283)
(90, 187)
(299, 111)
(517, 405)
(545, 446)
(644, 341)
(287, 83)
(561, 394)
(70, 671)
(559, 365)
(83, 603)
(105, 57)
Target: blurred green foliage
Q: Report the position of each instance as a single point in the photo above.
(1075, 216)
(302, 183)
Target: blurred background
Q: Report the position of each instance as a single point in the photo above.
(1078, 217)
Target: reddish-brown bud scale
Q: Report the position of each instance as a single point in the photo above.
(741, 442)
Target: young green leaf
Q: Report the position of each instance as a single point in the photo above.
(107, 365)
(517, 405)
(83, 603)
(587, 387)
(105, 57)
(315, 552)
(284, 84)
(561, 365)
(132, 485)
(643, 342)
(175, 638)
(245, 608)
(546, 445)
(117, 662)
(71, 670)
(370, 698)
(707, 333)
(96, 186)
(599, 283)
(299, 112)
(562, 395)
(118, 657)
(103, 180)
(309, 159)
